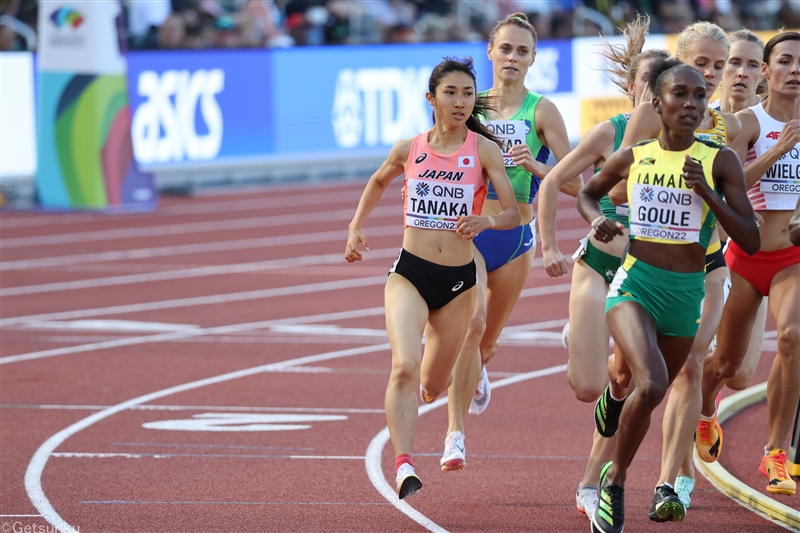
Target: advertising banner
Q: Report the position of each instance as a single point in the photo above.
(195, 108)
(85, 154)
(17, 127)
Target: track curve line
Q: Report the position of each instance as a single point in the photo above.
(33, 474)
(743, 494)
(375, 450)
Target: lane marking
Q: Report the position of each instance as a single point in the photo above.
(300, 219)
(131, 341)
(375, 451)
(33, 474)
(110, 325)
(117, 455)
(734, 488)
(195, 248)
(127, 502)
(236, 422)
(19, 515)
(236, 297)
(266, 202)
(195, 408)
(194, 272)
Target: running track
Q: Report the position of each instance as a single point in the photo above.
(217, 366)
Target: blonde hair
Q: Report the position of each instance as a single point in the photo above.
(697, 31)
(626, 58)
(519, 20)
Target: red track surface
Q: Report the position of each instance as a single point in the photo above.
(263, 273)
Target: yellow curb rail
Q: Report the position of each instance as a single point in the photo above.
(733, 487)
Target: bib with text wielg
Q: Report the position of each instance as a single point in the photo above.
(435, 205)
(511, 133)
(666, 213)
(781, 183)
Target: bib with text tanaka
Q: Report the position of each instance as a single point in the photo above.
(781, 183)
(511, 133)
(436, 205)
(665, 213)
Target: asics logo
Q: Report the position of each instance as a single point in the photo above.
(458, 286)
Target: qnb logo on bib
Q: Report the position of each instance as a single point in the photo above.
(511, 133)
(665, 213)
(437, 205)
(165, 127)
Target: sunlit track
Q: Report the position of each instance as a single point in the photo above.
(181, 382)
(199, 207)
(185, 228)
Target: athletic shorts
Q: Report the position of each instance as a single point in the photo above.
(604, 264)
(759, 269)
(437, 284)
(499, 247)
(672, 299)
(715, 258)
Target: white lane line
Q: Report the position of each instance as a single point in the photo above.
(109, 325)
(130, 341)
(195, 208)
(198, 408)
(196, 272)
(119, 455)
(299, 219)
(198, 300)
(33, 474)
(196, 248)
(375, 450)
(19, 516)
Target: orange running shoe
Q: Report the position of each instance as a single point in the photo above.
(708, 437)
(773, 465)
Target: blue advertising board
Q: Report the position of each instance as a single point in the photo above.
(551, 72)
(354, 99)
(199, 106)
(302, 103)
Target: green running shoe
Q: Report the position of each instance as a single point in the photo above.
(606, 414)
(609, 516)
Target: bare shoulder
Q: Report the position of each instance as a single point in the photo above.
(546, 109)
(400, 150)
(486, 145)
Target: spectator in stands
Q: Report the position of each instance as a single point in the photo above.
(172, 33)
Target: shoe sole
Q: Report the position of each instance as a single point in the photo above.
(669, 512)
(776, 490)
(455, 464)
(598, 529)
(409, 486)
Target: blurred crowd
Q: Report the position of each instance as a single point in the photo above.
(177, 24)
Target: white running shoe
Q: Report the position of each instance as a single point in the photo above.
(407, 481)
(453, 458)
(480, 400)
(684, 485)
(586, 500)
(565, 336)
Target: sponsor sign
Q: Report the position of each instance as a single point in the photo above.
(596, 110)
(551, 72)
(85, 155)
(18, 124)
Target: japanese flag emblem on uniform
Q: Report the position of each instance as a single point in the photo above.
(466, 161)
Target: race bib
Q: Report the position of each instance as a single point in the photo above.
(581, 251)
(434, 205)
(781, 183)
(622, 210)
(665, 213)
(511, 133)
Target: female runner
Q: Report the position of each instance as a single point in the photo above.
(771, 139)
(530, 126)
(653, 306)
(431, 285)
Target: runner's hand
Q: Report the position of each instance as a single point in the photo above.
(522, 157)
(470, 226)
(351, 253)
(790, 136)
(695, 178)
(554, 263)
(606, 229)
